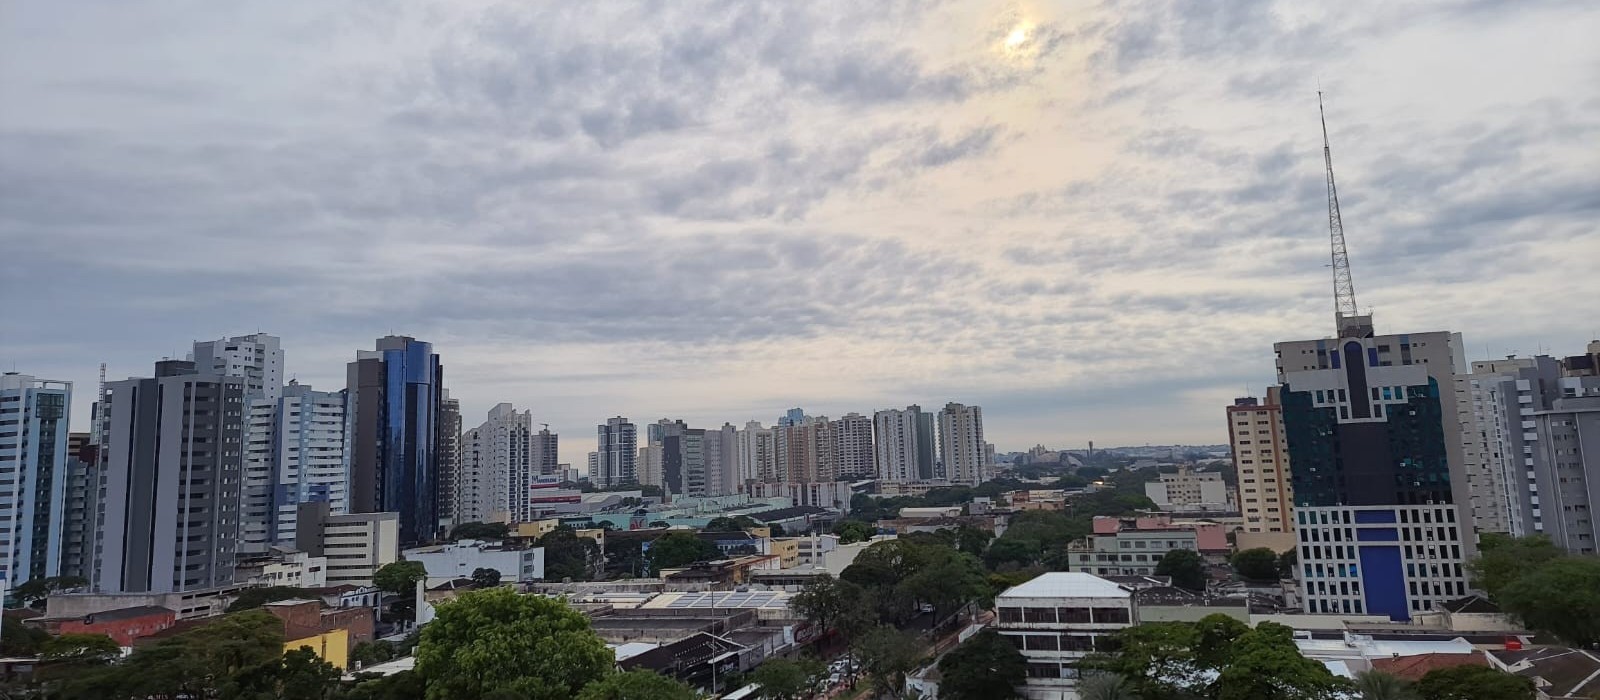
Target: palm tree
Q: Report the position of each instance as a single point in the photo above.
(1105, 686)
(1377, 685)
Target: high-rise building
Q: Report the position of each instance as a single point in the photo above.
(1502, 394)
(449, 458)
(793, 416)
(961, 444)
(170, 469)
(497, 475)
(1566, 464)
(756, 456)
(616, 460)
(546, 453)
(593, 471)
(1585, 365)
(296, 450)
(79, 505)
(1261, 462)
(258, 358)
(721, 451)
(853, 451)
(905, 444)
(33, 464)
(396, 400)
(803, 452)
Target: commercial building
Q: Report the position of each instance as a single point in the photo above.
(1056, 620)
(283, 567)
(80, 504)
(396, 395)
(1189, 490)
(904, 445)
(256, 358)
(449, 459)
(170, 471)
(457, 560)
(1566, 466)
(1375, 455)
(1261, 461)
(616, 460)
(961, 444)
(355, 545)
(33, 467)
(496, 473)
(295, 451)
(1129, 552)
(833, 495)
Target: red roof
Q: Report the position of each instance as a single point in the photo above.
(1413, 668)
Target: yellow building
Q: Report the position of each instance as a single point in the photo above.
(332, 646)
(787, 551)
(535, 529)
(1261, 459)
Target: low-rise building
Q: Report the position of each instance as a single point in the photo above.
(1128, 552)
(1556, 672)
(188, 605)
(459, 559)
(355, 545)
(833, 495)
(1056, 620)
(282, 567)
(123, 625)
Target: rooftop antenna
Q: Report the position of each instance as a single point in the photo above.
(1344, 290)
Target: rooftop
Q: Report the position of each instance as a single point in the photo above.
(1413, 668)
(1066, 584)
(768, 516)
(1567, 671)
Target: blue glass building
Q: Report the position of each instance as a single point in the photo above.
(396, 394)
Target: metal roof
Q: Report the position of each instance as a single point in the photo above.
(1066, 584)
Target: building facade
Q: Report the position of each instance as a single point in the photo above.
(1056, 620)
(904, 444)
(34, 451)
(355, 545)
(755, 456)
(616, 459)
(170, 471)
(546, 453)
(1189, 490)
(961, 444)
(449, 459)
(1375, 452)
(296, 451)
(396, 397)
(1566, 465)
(81, 501)
(1261, 461)
(496, 474)
(854, 452)
(257, 358)
(448, 562)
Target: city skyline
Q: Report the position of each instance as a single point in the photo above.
(1036, 223)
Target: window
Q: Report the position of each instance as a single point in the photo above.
(1073, 616)
(1111, 616)
(1037, 615)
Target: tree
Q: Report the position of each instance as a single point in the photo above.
(37, 589)
(973, 540)
(496, 639)
(252, 598)
(401, 577)
(1012, 553)
(376, 651)
(637, 685)
(17, 639)
(1473, 683)
(568, 556)
(405, 685)
(1373, 684)
(480, 531)
(852, 531)
(1215, 637)
(737, 523)
(302, 675)
(985, 667)
(1264, 663)
(1560, 596)
(681, 549)
(1158, 659)
(1288, 562)
(1105, 686)
(1503, 559)
(235, 656)
(80, 647)
(1185, 567)
(1258, 564)
(784, 679)
(887, 654)
(484, 577)
(830, 603)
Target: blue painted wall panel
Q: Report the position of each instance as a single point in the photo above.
(1383, 581)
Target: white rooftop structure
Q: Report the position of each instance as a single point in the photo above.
(629, 650)
(776, 600)
(1067, 584)
(387, 668)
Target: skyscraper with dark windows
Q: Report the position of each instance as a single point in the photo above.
(396, 397)
(33, 467)
(616, 462)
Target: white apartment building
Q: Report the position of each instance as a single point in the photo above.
(257, 358)
(33, 465)
(448, 562)
(834, 495)
(1189, 490)
(1261, 461)
(961, 444)
(904, 443)
(853, 453)
(755, 455)
(495, 475)
(355, 545)
(1056, 620)
(1129, 552)
(296, 450)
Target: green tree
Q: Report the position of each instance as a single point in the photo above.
(376, 651)
(302, 675)
(399, 578)
(234, 656)
(1215, 637)
(17, 639)
(985, 667)
(887, 655)
(405, 685)
(1560, 596)
(80, 647)
(252, 598)
(1009, 553)
(947, 579)
(786, 679)
(1288, 562)
(1258, 564)
(1503, 559)
(1185, 567)
(484, 577)
(1158, 660)
(1473, 683)
(1265, 664)
(637, 685)
(568, 556)
(496, 639)
(677, 549)
(852, 531)
(830, 603)
(35, 590)
(1373, 684)
(1105, 686)
(737, 523)
(973, 540)
(480, 531)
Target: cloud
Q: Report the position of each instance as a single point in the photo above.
(718, 210)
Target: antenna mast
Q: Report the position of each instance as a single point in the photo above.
(1344, 290)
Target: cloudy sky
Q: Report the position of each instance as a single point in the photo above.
(1091, 220)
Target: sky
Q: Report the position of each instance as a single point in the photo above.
(1093, 220)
